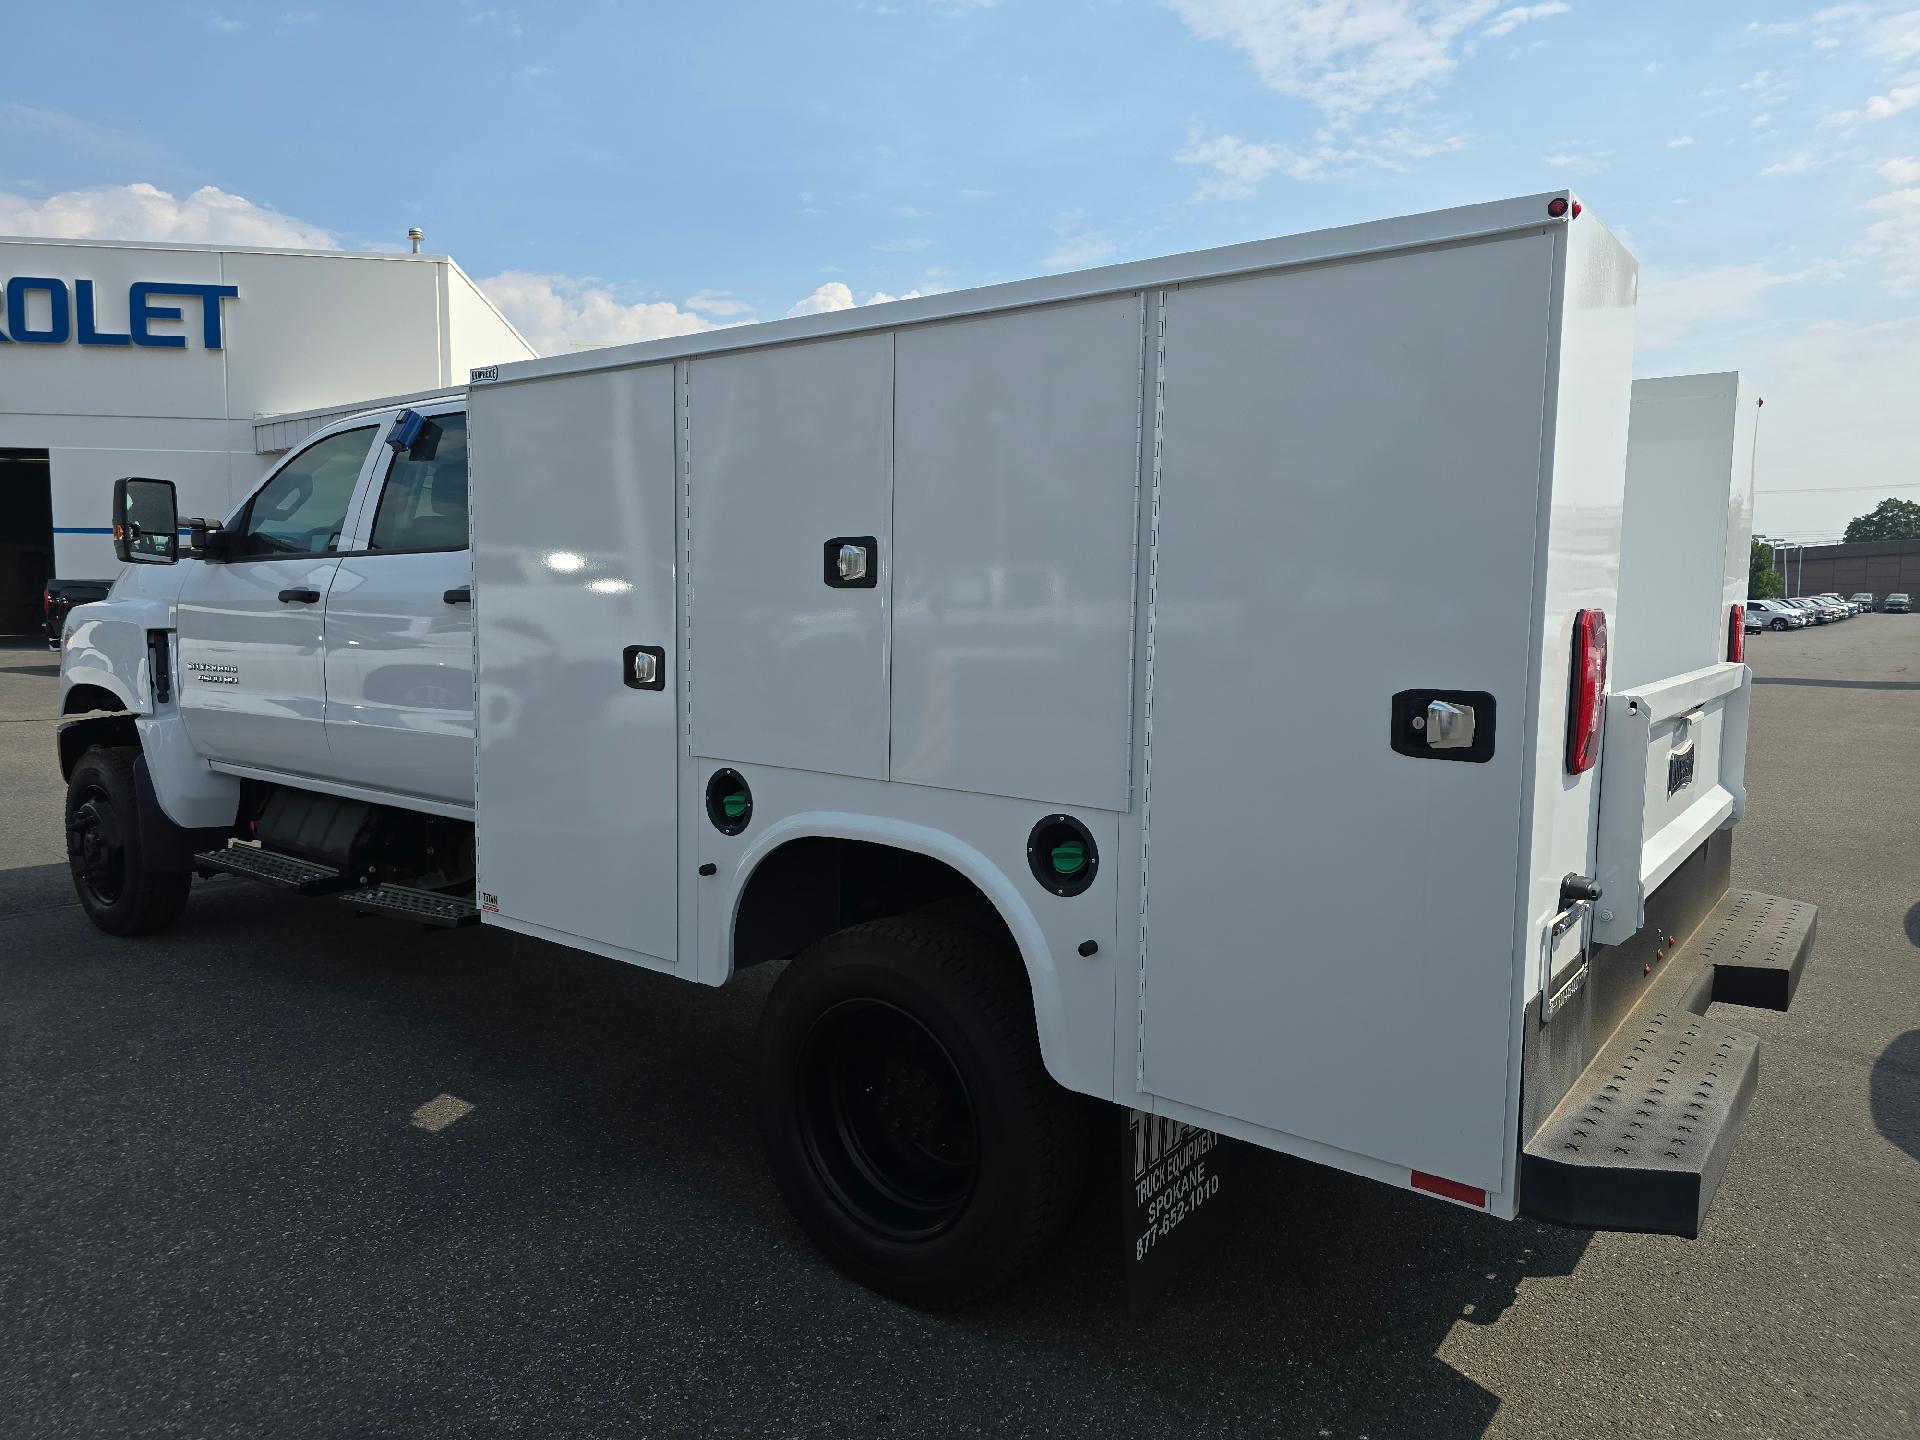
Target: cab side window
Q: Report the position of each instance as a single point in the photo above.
(424, 503)
(303, 508)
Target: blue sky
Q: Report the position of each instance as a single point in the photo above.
(615, 171)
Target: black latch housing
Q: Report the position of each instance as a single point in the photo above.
(1410, 738)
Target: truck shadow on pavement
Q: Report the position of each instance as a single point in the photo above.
(1894, 1091)
(229, 1217)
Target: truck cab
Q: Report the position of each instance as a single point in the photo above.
(317, 640)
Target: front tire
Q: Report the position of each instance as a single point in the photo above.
(104, 851)
(1780, 624)
(908, 1119)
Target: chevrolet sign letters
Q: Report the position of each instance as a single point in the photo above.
(64, 316)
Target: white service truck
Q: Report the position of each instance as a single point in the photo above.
(1251, 687)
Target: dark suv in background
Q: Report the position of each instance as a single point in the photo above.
(61, 596)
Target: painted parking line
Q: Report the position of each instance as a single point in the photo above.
(440, 1112)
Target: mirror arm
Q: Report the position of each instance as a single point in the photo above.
(199, 531)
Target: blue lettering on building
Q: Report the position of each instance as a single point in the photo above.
(64, 315)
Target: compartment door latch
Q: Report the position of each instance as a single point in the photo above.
(1443, 725)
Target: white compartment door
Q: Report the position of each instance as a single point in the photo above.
(789, 449)
(1348, 503)
(575, 529)
(1013, 525)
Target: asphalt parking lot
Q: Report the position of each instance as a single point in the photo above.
(216, 1218)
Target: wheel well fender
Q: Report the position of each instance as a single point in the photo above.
(986, 880)
(79, 736)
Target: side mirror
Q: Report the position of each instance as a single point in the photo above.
(146, 521)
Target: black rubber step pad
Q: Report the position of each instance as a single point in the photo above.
(1758, 945)
(1641, 1141)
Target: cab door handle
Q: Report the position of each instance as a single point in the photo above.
(299, 596)
(461, 596)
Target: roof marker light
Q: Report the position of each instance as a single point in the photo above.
(1576, 209)
(1557, 206)
(1737, 635)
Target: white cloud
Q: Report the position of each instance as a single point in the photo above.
(723, 303)
(223, 24)
(1075, 246)
(1349, 55)
(1797, 163)
(1585, 161)
(558, 313)
(1896, 239)
(1897, 100)
(1903, 171)
(837, 295)
(1239, 165)
(834, 295)
(1839, 411)
(1654, 67)
(1676, 306)
(1680, 142)
(1897, 38)
(904, 247)
(1507, 21)
(145, 212)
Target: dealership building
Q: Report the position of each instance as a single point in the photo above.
(196, 364)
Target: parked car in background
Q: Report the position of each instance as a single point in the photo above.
(1897, 603)
(1777, 615)
(1834, 597)
(1754, 617)
(61, 596)
(1816, 614)
(1864, 599)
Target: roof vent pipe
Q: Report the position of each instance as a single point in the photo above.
(416, 235)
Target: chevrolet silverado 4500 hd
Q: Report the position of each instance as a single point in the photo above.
(1257, 688)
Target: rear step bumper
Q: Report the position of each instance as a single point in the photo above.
(1642, 1138)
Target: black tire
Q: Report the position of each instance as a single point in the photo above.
(908, 1120)
(1780, 625)
(116, 888)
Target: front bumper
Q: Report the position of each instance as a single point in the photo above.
(1641, 1139)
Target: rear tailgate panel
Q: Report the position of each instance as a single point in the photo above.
(1671, 775)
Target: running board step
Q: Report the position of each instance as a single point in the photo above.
(1757, 945)
(286, 871)
(1641, 1140)
(429, 907)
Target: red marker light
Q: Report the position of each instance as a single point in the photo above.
(1737, 635)
(1557, 206)
(1576, 209)
(1587, 704)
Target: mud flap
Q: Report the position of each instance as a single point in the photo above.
(1180, 1187)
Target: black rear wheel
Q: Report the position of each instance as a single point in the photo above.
(908, 1119)
(116, 888)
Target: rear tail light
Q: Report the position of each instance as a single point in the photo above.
(1589, 698)
(1737, 634)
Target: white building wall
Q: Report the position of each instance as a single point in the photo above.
(306, 330)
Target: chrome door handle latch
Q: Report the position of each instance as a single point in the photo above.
(1448, 726)
(644, 667)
